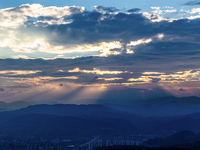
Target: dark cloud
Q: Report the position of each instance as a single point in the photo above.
(182, 90)
(155, 80)
(192, 3)
(88, 27)
(134, 10)
(75, 10)
(18, 9)
(23, 86)
(107, 9)
(1, 89)
(167, 57)
(92, 27)
(47, 18)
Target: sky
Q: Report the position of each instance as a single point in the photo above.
(83, 52)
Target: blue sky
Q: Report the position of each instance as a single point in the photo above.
(144, 4)
(90, 51)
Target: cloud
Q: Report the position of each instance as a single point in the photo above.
(16, 16)
(133, 50)
(20, 56)
(195, 10)
(182, 90)
(2, 90)
(134, 10)
(18, 72)
(157, 10)
(96, 71)
(60, 84)
(61, 38)
(123, 72)
(54, 76)
(103, 9)
(192, 3)
(104, 31)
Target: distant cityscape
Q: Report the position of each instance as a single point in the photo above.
(69, 143)
(128, 142)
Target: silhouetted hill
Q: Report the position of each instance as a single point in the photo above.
(52, 126)
(79, 120)
(61, 119)
(186, 122)
(183, 137)
(66, 110)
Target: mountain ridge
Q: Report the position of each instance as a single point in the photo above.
(91, 120)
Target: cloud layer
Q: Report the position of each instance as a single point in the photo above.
(32, 31)
(110, 50)
(191, 3)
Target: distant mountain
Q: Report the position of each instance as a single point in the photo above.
(13, 105)
(163, 106)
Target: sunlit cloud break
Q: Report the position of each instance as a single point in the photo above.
(96, 71)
